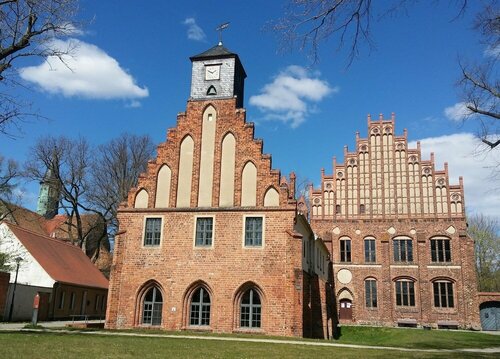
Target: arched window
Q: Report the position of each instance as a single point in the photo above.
(152, 307)
(443, 294)
(371, 293)
(405, 292)
(200, 308)
(250, 310)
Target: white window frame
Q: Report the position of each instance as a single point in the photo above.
(194, 231)
(143, 235)
(245, 216)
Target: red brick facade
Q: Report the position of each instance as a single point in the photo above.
(386, 193)
(226, 269)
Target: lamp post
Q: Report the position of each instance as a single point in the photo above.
(18, 261)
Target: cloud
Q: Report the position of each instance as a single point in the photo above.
(291, 95)
(194, 32)
(88, 72)
(458, 112)
(466, 157)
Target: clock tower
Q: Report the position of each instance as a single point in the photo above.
(217, 73)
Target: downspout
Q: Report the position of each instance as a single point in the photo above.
(54, 299)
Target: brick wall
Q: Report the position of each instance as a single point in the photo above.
(227, 268)
(4, 288)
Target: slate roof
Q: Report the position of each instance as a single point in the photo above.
(62, 261)
(216, 51)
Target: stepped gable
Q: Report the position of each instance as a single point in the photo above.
(230, 121)
(384, 178)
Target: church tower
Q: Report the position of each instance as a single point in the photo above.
(217, 74)
(48, 198)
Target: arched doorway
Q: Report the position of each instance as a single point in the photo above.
(490, 315)
(345, 305)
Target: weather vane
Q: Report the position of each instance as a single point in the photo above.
(220, 28)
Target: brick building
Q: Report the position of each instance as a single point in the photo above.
(212, 237)
(396, 230)
(62, 275)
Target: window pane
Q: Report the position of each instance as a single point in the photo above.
(250, 310)
(152, 232)
(152, 307)
(436, 294)
(204, 227)
(253, 231)
(410, 250)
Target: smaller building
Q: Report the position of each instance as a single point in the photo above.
(64, 277)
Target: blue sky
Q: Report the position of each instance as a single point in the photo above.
(133, 74)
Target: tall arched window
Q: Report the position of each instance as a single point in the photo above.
(200, 308)
(250, 310)
(152, 307)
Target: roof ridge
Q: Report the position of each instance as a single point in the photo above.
(55, 239)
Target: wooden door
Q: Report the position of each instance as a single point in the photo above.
(43, 307)
(345, 309)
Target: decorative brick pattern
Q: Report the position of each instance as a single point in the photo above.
(389, 223)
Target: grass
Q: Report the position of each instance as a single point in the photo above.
(417, 338)
(79, 345)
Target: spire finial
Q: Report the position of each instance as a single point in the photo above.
(219, 29)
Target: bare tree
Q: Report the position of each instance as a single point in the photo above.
(69, 163)
(307, 23)
(9, 171)
(92, 182)
(27, 29)
(480, 86)
(484, 230)
(116, 169)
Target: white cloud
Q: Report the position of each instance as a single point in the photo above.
(458, 112)
(194, 31)
(89, 73)
(290, 96)
(466, 156)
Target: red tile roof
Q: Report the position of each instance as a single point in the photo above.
(63, 262)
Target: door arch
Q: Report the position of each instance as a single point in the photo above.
(490, 315)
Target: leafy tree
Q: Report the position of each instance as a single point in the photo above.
(485, 232)
(27, 28)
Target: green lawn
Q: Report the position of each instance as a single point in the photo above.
(378, 336)
(78, 345)
(417, 338)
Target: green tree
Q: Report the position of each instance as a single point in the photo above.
(485, 232)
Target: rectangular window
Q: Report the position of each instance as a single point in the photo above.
(72, 301)
(440, 250)
(96, 304)
(345, 250)
(405, 293)
(204, 230)
(443, 295)
(403, 250)
(152, 232)
(253, 231)
(61, 300)
(103, 304)
(370, 251)
(371, 293)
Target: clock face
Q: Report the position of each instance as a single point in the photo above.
(212, 72)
